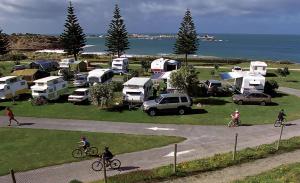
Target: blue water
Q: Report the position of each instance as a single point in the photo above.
(262, 47)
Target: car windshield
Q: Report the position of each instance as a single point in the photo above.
(216, 84)
(158, 99)
(80, 93)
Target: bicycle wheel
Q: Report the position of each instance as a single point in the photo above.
(97, 165)
(115, 164)
(77, 153)
(230, 123)
(277, 123)
(93, 151)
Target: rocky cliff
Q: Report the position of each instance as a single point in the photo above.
(33, 42)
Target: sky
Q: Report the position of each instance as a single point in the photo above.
(149, 16)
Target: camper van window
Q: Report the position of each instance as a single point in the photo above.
(39, 91)
(117, 64)
(93, 80)
(133, 93)
(253, 84)
(40, 84)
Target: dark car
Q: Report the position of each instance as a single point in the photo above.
(214, 87)
(252, 98)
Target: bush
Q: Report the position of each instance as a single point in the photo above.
(132, 73)
(13, 57)
(75, 181)
(102, 94)
(117, 86)
(270, 87)
(283, 71)
(146, 65)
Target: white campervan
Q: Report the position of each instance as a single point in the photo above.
(120, 65)
(258, 67)
(164, 65)
(137, 90)
(12, 86)
(250, 82)
(51, 88)
(100, 76)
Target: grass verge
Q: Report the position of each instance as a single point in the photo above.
(216, 162)
(281, 174)
(26, 149)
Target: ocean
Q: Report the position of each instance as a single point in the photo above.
(247, 46)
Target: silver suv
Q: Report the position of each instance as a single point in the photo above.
(180, 103)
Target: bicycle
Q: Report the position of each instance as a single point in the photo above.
(81, 153)
(113, 163)
(234, 123)
(279, 123)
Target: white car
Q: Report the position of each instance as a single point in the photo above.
(80, 95)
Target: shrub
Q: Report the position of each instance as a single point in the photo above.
(13, 57)
(132, 73)
(102, 94)
(146, 65)
(283, 71)
(75, 181)
(270, 87)
(117, 86)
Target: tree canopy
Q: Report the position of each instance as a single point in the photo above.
(187, 41)
(4, 43)
(117, 36)
(72, 39)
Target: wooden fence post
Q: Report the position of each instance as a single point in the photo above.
(282, 125)
(104, 169)
(175, 158)
(12, 173)
(235, 144)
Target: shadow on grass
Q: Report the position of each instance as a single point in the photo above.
(279, 95)
(290, 124)
(292, 81)
(62, 99)
(174, 113)
(211, 101)
(246, 124)
(271, 75)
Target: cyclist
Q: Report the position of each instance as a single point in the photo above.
(281, 115)
(107, 155)
(85, 143)
(235, 117)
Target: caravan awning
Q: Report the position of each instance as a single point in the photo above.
(230, 75)
(253, 82)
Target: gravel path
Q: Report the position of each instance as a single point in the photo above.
(241, 171)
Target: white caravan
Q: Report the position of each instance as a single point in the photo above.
(66, 62)
(12, 86)
(120, 65)
(137, 90)
(51, 88)
(164, 65)
(100, 76)
(258, 67)
(246, 81)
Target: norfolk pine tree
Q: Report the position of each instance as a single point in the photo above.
(117, 36)
(186, 41)
(4, 43)
(73, 38)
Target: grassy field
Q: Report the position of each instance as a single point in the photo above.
(216, 162)
(282, 174)
(214, 111)
(26, 149)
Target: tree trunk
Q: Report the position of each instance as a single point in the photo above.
(118, 53)
(186, 63)
(75, 56)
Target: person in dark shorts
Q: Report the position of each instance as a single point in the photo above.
(11, 116)
(281, 115)
(107, 155)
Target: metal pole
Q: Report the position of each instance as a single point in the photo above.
(104, 169)
(279, 137)
(12, 173)
(235, 144)
(175, 158)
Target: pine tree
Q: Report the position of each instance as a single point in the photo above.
(73, 38)
(117, 36)
(187, 41)
(4, 43)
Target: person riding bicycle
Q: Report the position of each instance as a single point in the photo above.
(85, 143)
(235, 117)
(281, 115)
(107, 155)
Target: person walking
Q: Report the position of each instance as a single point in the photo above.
(11, 116)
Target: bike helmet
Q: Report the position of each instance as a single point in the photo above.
(82, 137)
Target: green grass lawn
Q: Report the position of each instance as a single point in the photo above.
(291, 81)
(215, 111)
(26, 149)
(281, 174)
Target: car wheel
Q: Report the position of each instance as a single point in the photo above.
(240, 102)
(181, 111)
(152, 112)
(263, 103)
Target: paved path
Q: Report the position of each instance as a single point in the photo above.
(290, 91)
(202, 141)
(239, 172)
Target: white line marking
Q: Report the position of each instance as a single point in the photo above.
(171, 154)
(162, 129)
